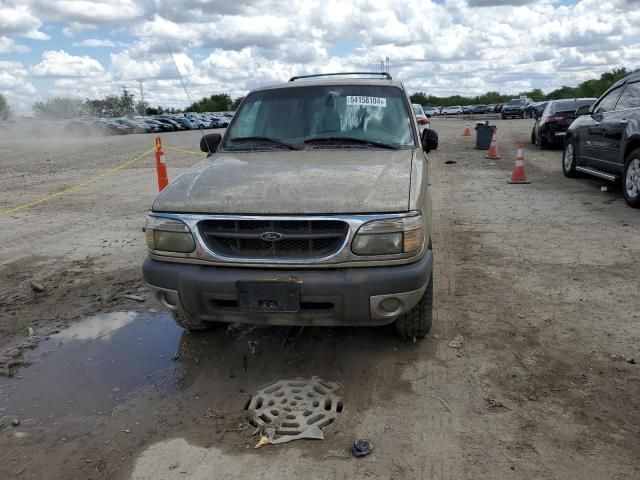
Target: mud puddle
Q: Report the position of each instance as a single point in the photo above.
(92, 366)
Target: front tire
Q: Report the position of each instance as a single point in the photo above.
(416, 323)
(631, 179)
(569, 159)
(189, 323)
(533, 135)
(541, 142)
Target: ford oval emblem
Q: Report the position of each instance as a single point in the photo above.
(271, 236)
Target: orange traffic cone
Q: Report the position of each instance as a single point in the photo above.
(161, 166)
(467, 131)
(519, 175)
(493, 153)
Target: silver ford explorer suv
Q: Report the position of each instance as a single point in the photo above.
(312, 209)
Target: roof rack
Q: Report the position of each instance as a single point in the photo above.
(377, 74)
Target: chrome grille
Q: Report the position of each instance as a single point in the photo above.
(300, 238)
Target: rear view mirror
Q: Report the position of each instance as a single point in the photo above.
(429, 140)
(583, 110)
(209, 143)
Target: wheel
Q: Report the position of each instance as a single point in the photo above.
(533, 135)
(569, 159)
(189, 323)
(541, 143)
(416, 323)
(631, 182)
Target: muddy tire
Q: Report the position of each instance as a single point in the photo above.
(189, 323)
(416, 323)
(533, 136)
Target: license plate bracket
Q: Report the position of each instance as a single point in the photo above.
(268, 296)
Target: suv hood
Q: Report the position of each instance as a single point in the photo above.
(293, 182)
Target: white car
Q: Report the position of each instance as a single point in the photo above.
(421, 118)
(429, 111)
(457, 110)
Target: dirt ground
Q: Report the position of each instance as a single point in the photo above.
(538, 285)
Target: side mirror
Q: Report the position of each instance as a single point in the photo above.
(583, 110)
(209, 143)
(429, 140)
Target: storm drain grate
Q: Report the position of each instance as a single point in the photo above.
(291, 407)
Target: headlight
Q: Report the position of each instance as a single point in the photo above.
(389, 236)
(168, 235)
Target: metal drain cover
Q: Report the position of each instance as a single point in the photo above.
(292, 407)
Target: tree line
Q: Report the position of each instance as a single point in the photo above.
(589, 88)
(110, 106)
(123, 105)
(220, 102)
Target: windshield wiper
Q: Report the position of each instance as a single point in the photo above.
(275, 141)
(360, 141)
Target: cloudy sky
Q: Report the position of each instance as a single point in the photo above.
(89, 48)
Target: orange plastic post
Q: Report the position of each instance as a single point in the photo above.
(161, 166)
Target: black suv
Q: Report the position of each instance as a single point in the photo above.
(604, 141)
(551, 125)
(517, 107)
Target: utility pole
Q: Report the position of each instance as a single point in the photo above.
(141, 84)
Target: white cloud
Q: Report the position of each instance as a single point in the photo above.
(95, 42)
(60, 64)
(14, 84)
(8, 45)
(21, 21)
(92, 12)
(74, 28)
(452, 46)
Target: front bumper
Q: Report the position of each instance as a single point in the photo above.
(513, 113)
(341, 296)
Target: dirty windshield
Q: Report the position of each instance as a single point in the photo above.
(323, 116)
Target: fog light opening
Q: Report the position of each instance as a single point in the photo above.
(165, 300)
(390, 304)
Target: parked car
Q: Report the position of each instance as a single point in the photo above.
(135, 126)
(551, 126)
(110, 127)
(431, 111)
(165, 127)
(457, 110)
(538, 108)
(311, 239)
(176, 126)
(604, 141)
(480, 109)
(421, 118)
(467, 109)
(516, 108)
(186, 123)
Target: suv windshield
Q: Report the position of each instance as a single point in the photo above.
(515, 103)
(322, 115)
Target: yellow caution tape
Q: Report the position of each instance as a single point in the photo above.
(200, 154)
(77, 186)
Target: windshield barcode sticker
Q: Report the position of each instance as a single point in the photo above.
(366, 101)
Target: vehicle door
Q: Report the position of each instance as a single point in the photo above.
(615, 124)
(593, 147)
